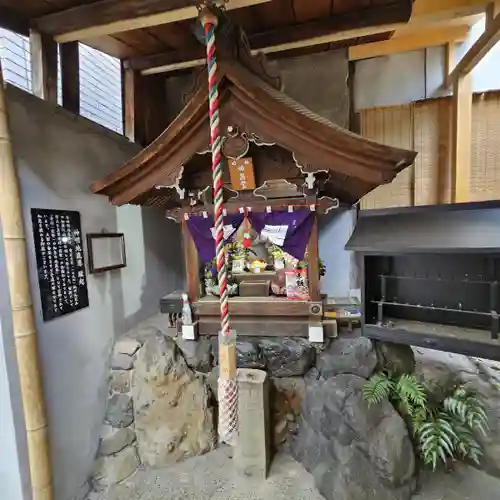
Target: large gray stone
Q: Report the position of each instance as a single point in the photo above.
(281, 357)
(112, 469)
(248, 353)
(287, 357)
(119, 381)
(126, 345)
(353, 356)
(114, 440)
(197, 353)
(353, 451)
(119, 412)
(395, 358)
(173, 419)
(121, 362)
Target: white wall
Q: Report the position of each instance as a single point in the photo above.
(58, 155)
(410, 76)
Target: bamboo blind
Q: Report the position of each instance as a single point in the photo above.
(392, 126)
(425, 127)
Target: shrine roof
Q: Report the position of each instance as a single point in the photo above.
(355, 163)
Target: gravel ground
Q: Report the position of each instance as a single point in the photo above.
(212, 477)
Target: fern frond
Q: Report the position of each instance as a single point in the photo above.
(377, 388)
(465, 406)
(436, 440)
(466, 445)
(411, 390)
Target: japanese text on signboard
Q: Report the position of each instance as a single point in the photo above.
(60, 263)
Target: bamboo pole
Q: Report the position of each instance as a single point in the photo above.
(14, 241)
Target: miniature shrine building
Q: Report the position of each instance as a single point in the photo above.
(284, 166)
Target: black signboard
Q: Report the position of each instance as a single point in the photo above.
(59, 257)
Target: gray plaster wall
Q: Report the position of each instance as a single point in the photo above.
(319, 82)
(57, 156)
(411, 76)
(14, 468)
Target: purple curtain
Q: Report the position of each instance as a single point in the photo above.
(288, 230)
(202, 231)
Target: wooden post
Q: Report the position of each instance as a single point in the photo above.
(313, 262)
(461, 138)
(43, 66)
(133, 118)
(70, 77)
(155, 106)
(25, 336)
(191, 264)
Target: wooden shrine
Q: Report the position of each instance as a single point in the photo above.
(278, 157)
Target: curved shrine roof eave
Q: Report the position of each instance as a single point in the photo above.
(314, 139)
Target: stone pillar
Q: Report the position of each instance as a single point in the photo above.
(252, 453)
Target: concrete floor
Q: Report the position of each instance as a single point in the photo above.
(212, 477)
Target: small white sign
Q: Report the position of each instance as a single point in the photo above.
(228, 231)
(275, 234)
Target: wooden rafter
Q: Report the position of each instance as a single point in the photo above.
(106, 17)
(13, 21)
(407, 42)
(289, 36)
(425, 13)
(476, 53)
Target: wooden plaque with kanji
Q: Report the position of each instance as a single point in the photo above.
(242, 174)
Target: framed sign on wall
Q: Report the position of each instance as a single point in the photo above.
(57, 235)
(106, 252)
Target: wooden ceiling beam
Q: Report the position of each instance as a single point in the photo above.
(425, 13)
(13, 21)
(476, 53)
(340, 27)
(408, 42)
(107, 17)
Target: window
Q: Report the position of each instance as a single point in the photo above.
(100, 79)
(16, 60)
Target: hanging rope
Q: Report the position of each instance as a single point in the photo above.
(228, 390)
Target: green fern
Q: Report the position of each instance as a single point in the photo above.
(378, 388)
(468, 409)
(437, 440)
(466, 444)
(444, 429)
(411, 390)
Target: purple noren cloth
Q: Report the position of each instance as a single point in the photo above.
(203, 233)
(288, 230)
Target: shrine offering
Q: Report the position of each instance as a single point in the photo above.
(258, 266)
(57, 236)
(296, 284)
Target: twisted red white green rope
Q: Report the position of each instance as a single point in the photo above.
(215, 141)
(228, 389)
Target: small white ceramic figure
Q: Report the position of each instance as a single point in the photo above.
(187, 315)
